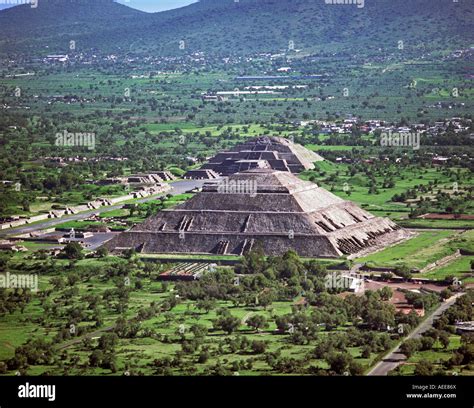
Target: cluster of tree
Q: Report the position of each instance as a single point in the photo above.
(421, 300)
(340, 363)
(461, 311)
(12, 300)
(225, 321)
(464, 355)
(126, 329)
(36, 351)
(258, 281)
(104, 355)
(371, 342)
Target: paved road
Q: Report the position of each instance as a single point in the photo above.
(178, 187)
(395, 358)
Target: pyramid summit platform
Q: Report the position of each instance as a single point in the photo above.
(273, 208)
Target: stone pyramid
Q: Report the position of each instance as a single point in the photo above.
(275, 153)
(273, 208)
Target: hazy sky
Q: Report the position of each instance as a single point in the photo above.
(156, 5)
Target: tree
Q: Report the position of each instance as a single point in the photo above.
(25, 205)
(366, 351)
(73, 250)
(409, 347)
(199, 331)
(257, 322)
(227, 323)
(356, 368)
(95, 358)
(403, 271)
(102, 252)
(444, 339)
(205, 304)
(426, 343)
(254, 260)
(121, 327)
(424, 368)
(258, 347)
(455, 360)
(265, 299)
(446, 293)
(108, 341)
(109, 361)
(379, 315)
(386, 293)
(339, 362)
(203, 357)
(129, 253)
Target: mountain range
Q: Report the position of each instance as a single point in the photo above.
(237, 27)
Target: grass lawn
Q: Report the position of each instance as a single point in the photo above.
(460, 268)
(417, 252)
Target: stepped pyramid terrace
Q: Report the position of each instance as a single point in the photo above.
(275, 153)
(273, 208)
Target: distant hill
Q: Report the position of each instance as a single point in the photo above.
(60, 17)
(226, 26)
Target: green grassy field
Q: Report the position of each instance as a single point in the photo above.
(416, 252)
(460, 268)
